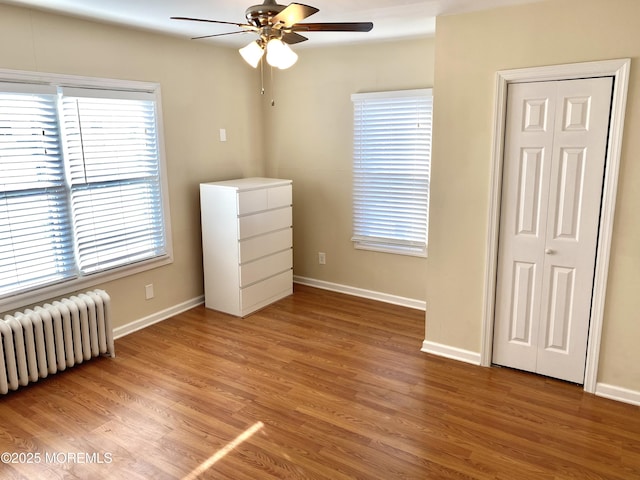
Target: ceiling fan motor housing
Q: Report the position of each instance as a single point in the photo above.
(260, 15)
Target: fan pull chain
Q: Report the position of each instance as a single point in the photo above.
(273, 102)
(262, 90)
(261, 76)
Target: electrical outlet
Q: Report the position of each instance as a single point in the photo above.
(148, 291)
(322, 258)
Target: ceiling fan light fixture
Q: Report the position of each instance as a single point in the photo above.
(280, 55)
(278, 26)
(252, 53)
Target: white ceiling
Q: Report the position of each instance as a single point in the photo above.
(391, 18)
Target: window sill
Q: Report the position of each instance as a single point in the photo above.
(38, 295)
(393, 249)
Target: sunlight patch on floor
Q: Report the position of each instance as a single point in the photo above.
(207, 464)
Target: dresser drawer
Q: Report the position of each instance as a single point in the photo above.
(250, 201)
(266, 244)
(264, 222)
(279, 196)
(265, 292)
(265, 267)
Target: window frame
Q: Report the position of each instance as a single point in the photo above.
(38, 79)
(388, 244)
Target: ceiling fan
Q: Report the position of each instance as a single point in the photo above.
(277, 27)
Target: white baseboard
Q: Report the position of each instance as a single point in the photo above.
(618, 393)
(360, 292)
(451, 352)
(156, 317)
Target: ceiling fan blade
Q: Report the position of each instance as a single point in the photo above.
(293, 13)
(333, 27)
(220, 35)
(292, 38)
(241, 25)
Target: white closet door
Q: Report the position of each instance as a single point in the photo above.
(555, 148)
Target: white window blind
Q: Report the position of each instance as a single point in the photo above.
(113, 168)
(392, 154)
(35, 240)
(80, 184)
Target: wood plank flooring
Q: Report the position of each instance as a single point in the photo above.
(317, 386)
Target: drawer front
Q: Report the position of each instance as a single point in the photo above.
(251, 201)
(262, 293)
(279, 196)
(265, 267)
(267, 244)
(264, 222)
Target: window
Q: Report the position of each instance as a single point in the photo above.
(391, 162)
(81, 189)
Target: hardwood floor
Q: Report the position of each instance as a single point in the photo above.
(317, 386)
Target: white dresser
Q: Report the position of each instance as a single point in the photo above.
(247, 243)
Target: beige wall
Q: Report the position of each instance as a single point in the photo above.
(470, 49)
(310, 141)
(204, 88)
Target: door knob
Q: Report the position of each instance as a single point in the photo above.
(549, 251)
